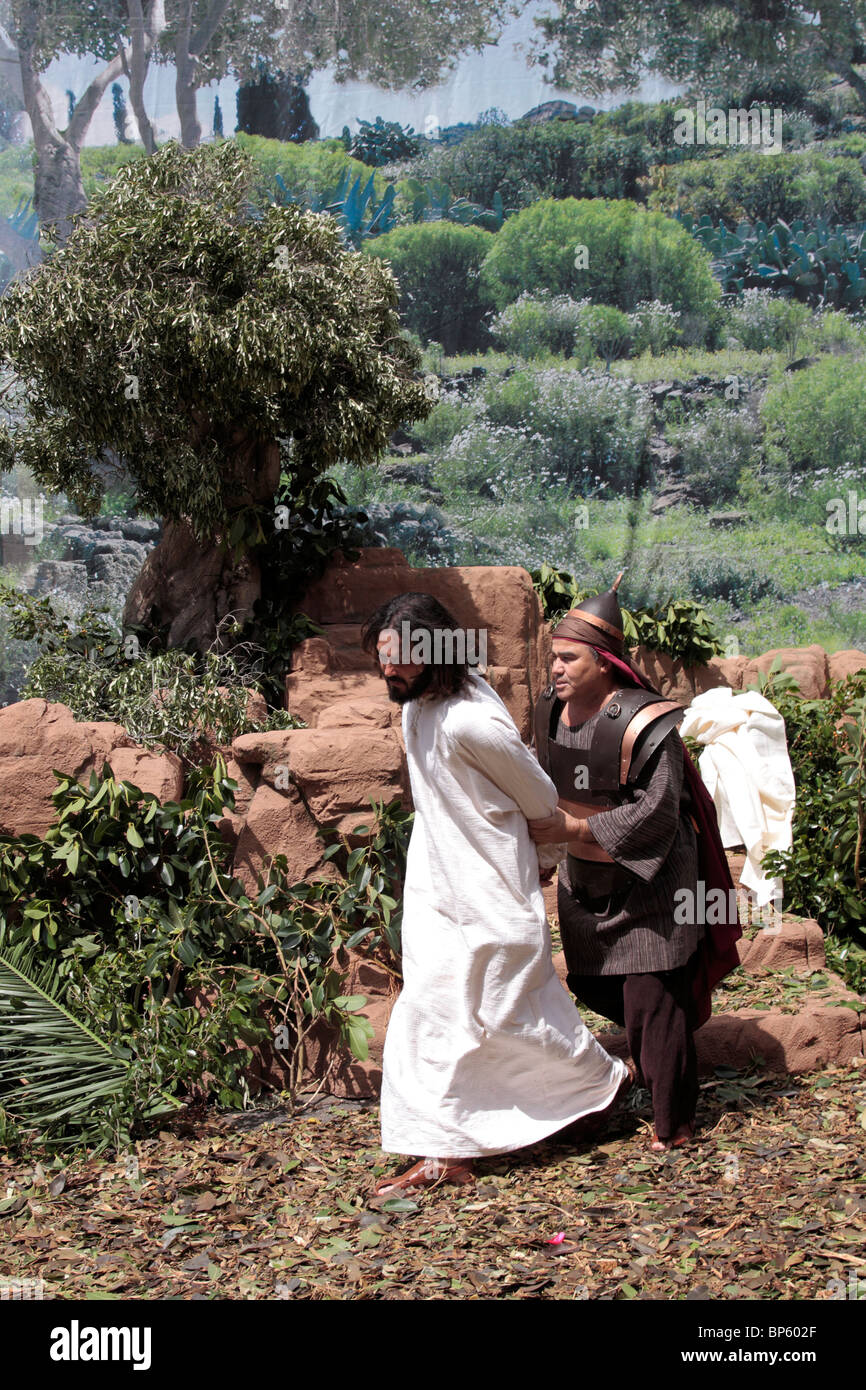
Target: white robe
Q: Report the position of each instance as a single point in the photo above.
(485, 1050)
(747, 771)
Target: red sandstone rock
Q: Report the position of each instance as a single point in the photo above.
(731, 669)
(674, 679)
(278, 823)
(160, 773)
(797, 945)
(35, 738)
(808, 665)
(847, 663)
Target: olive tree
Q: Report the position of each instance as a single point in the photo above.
(188, 335)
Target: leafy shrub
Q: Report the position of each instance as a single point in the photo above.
(762, 322)
(717, 577)
(438, 268)
(608, 331)
(431, 200)
(817, 417)
(308, 170)
(535, 325)
(378, 142)
(447, 417)
(592, 428)
(117, 923)
(557, 159)
(716, 446)
(752, 186)
(183, 701)
(836, 332)
(421, 532)
(631, 255)
(824, 870)
(654, 327)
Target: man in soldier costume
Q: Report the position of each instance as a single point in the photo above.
(639, 827)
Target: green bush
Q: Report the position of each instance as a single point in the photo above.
(654, 327)
(608, 331)
(183, 701)
(817, 417)
(824, 871)
(591, 428)
(535, 325)
(716, 446)
(117, 923)
(631, 255)
(308, 170)
(438, 268)
(762, 322)
(753, 186)
(717, 577)
(559, 159)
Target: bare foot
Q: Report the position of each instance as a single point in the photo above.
(684, 1136)
(427, 1172)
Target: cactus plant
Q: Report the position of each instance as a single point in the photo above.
(824, 266)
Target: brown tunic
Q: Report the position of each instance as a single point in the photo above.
(618, 919)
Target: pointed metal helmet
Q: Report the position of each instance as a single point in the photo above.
(603, 611)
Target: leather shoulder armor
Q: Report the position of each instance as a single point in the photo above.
(628, 731)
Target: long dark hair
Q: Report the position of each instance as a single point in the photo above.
(423, 613)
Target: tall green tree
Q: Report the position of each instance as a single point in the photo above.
(187, 333)
(42, 31)
(597, 45)
(394, 43)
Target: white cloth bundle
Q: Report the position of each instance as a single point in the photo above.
(747, 771)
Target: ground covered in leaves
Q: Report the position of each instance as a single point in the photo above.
(769, 1204)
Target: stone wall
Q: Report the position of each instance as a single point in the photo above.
(294, 784)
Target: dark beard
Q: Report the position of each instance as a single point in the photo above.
(401, 695)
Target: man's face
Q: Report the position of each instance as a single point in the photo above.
(404, 681)
(575, 672)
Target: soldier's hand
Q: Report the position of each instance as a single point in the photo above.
(549, 830)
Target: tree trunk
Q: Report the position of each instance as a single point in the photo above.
(193, 586)
(58, 189)
(188, 47)
(185, 84)
(145, 31)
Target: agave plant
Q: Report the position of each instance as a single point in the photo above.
(356, 207)
(432, 201)
(57, 1077)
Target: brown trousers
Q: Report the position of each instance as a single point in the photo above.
(657, 1012)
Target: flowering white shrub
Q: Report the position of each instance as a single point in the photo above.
(539, 323)
(583, 431)
(654, 326)
(716, 445)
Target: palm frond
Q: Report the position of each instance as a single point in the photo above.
(56, 1075)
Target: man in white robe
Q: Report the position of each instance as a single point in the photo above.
(485, 1051)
